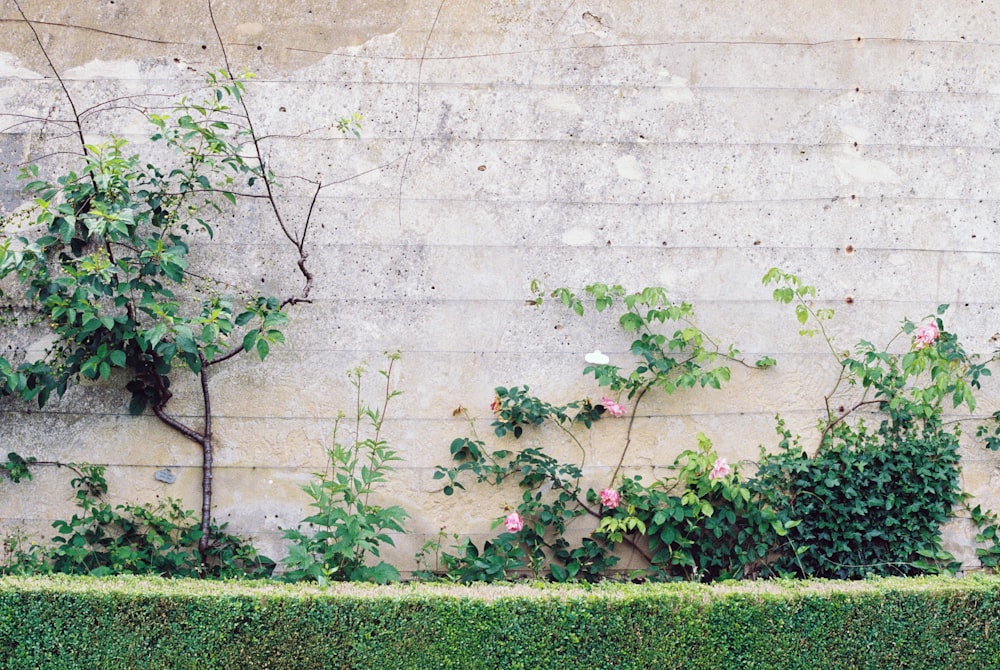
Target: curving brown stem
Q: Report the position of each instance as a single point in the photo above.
(628, 434)
(203, 439)
(52, 66)
(845, 414)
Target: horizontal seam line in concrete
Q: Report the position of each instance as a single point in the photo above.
(604, 142)
(501, 85)
(446, 418)
(651, 245)
(855, 40)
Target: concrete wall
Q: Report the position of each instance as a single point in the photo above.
(689, 145)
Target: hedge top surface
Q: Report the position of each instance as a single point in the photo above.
(681, 591)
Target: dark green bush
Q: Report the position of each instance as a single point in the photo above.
(148, 623)
(150, 539)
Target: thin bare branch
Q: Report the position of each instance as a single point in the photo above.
(55, 71)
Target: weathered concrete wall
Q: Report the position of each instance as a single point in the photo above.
(689, 145)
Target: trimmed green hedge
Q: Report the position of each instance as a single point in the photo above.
(147, 623)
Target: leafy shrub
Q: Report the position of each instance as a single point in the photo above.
(347, 528)
(867, 502)
(702, 524)
(100, 259)
(151, 539)
(871, 500)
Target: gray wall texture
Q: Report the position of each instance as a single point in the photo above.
(691, 145)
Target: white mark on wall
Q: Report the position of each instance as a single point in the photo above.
(628, 167)
(9, 69)
(39, 349)
(856, 133)
(562, 102)
(594, 24)
(249, 30)
(850, 167)
(122, 71)
(578, 237)
(675, 89)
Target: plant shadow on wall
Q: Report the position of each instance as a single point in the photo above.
(100, 263)
(871, 499)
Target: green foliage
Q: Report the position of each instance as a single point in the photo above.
(106, 267)
(16, 467)
(870, 500)
(704, 523)
(667, 361)
(347, 528)
(515, 409)
(791, 289)
(118, 624)
(551, 494)
(551, 498)
(873, 500)
(151, 539)
(987, 537)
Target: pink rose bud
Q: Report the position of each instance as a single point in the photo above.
(610, 498)
(613, 408)
(719, 470)
(513, 523)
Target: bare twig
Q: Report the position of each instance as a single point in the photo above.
(55, 71)
(416, 115)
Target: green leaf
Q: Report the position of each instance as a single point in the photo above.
(631, 321)
(250, 339)
(765, 362)
(244, 318)
(801, 313)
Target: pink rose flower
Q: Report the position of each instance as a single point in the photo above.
(613, 408)
(926, 335)
(513, 523)
(496, 405)
(719, 470)
(610, 498)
